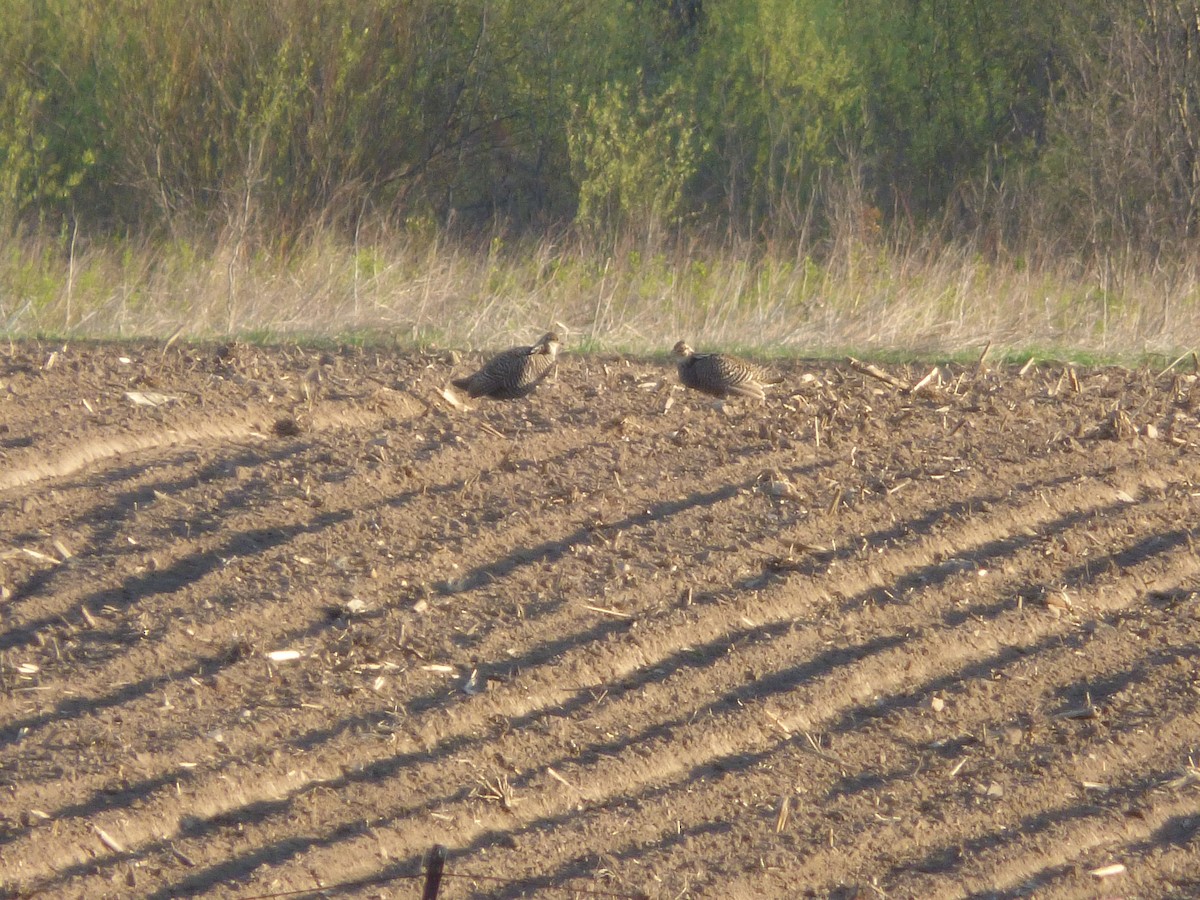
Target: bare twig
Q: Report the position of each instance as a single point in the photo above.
(1181, 358)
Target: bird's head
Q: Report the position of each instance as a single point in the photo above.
(548, 343)
(682, 350)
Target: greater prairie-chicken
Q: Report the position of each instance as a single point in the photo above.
(513, 373)
(721, 375)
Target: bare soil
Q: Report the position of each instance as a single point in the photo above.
(280, 619)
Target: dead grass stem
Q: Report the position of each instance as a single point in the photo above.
(865, 295)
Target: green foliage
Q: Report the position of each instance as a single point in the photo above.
(32, 281)
(632, 156)
(261, 121)
(776, 93)
(44, 154)
(949, 88)
(1122, 163)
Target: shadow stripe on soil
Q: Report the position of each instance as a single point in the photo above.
(789, 682)
(187, 569)
(232, 428)
(555, 651)
(570, 870)
(116, 513)
(730, 764)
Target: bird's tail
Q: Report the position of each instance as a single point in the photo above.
(751, 389)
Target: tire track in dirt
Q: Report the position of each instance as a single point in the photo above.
(701, 763)
(236, 441)
(557, 821)
(194, 429)
(449, 484)
(589, 781)
(1063, 831)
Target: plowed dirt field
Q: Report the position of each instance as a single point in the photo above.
(279, 620)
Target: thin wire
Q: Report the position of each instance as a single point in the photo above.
(593, 892)
(383, 879)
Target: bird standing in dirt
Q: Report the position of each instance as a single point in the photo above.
(721, 375)
(513, 373)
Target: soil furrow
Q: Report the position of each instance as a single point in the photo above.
(834, 690)
(595, 637)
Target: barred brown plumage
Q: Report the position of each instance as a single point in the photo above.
(721, 375)
(513, 373)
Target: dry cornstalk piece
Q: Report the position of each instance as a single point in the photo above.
(615, 613)
(1108, 871)
(926, 381)
(982, 358)
(878, 373)
(1174, 364)
(1117, 427)
(159, 495)
(1082, 712)
(1025, 368)
(1059, 600)
(108, 840)
(814, 747)
(553, 774)
(171, 340)
(785, 811)
(1190, 777)
(454, 400)
(474, 684)
(149, 398)
(39, 555)
(961, 422)
(497, 790)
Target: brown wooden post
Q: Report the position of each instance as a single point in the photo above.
(435, 863)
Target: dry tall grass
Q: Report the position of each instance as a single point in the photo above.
(864, 293)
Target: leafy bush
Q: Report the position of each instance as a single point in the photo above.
(258, 122)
